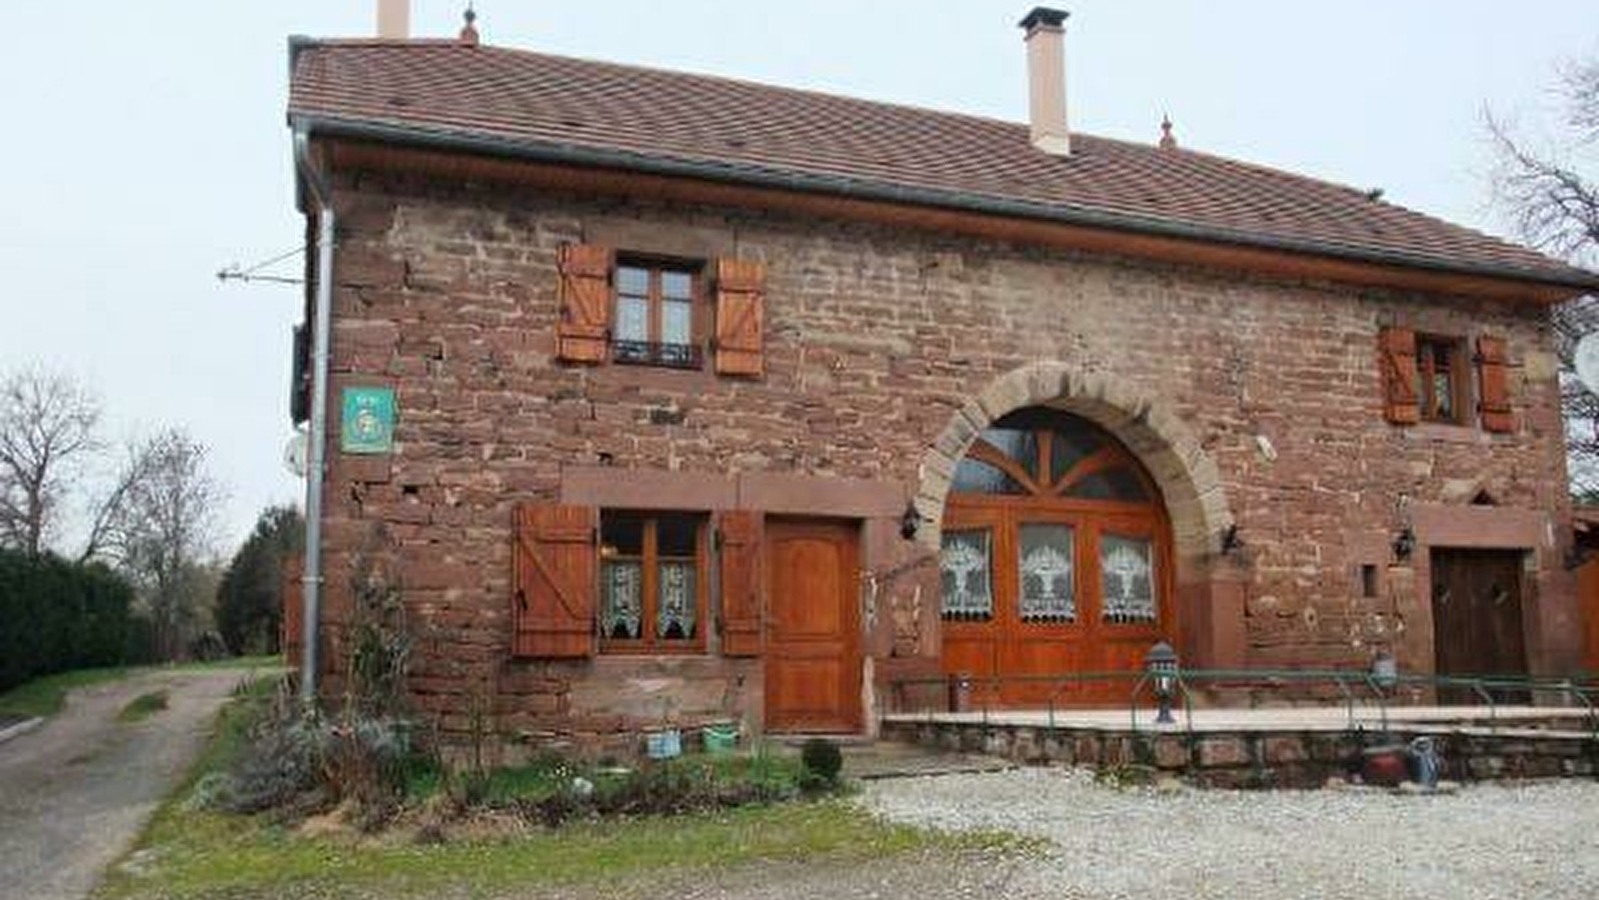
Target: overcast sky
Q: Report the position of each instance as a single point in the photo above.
(145, 145)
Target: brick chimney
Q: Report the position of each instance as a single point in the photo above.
(1046, 79)
(394, 19)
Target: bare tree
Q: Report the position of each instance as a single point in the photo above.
(110, 529)
(48, 424)
(165, 531)
(1553, 200)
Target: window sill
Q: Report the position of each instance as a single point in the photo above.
(1446, 433)
(613, 664)
(687, 357)
(626, 651)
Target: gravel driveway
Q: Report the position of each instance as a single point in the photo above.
(75, 792)
(1489, 841)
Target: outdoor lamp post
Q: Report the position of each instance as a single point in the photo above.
(1161, 664)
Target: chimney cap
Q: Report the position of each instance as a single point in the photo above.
(1043, 16)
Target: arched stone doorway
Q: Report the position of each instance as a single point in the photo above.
(1055, 558)
(1205, 587)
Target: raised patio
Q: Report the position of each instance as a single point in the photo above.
(1289, 739)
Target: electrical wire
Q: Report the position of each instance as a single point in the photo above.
(235, 272)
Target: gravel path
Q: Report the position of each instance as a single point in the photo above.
(1488, 841)
(75, 792)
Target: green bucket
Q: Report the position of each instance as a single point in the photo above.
(720, 738)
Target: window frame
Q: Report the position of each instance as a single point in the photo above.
(654, 349)
(1458, 360)
(648, 643)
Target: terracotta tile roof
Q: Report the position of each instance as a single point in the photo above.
(500, 100)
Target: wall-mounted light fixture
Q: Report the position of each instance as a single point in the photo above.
(1405, 543)
(1231, 543)
(910, 522)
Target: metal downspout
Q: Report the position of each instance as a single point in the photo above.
(322, 195)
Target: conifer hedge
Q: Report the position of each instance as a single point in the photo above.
(57, 615)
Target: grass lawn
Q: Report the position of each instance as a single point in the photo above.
(143, 707)
(233, 662)
(187, 853)
(47, 695)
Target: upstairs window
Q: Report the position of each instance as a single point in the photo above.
(645, 310)
(1439, 364)
(655, 315)
(1430, 378)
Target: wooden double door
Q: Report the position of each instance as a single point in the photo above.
(1477, 618)
(1032, 644)
(1055, 564)
(813, 625)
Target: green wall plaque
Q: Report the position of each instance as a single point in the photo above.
(368, 421)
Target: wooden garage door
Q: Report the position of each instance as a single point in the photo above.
(1055, 561)
(813, 657)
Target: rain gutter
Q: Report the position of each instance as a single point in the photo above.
(315, 184)
(763, 176)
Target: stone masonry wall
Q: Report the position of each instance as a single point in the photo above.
(874, 338)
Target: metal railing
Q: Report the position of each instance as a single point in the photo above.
(1353, 689)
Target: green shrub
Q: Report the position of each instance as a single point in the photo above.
(309, 761)
(59, 616)
(301, 756)
(823, 760)
(671, 787)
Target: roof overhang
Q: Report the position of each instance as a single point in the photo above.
(361, 143)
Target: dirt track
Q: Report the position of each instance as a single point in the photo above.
(75, 792)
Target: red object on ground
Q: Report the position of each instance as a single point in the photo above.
(1384, 766)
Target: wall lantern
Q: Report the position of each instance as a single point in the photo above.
(910, 522)
(1161, 666)
(1230, 541)
(1405, 543)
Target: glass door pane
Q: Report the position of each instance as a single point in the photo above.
(1047, 564)
(1127, 578)
(965, 564)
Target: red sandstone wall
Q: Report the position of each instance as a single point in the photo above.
(874, 338)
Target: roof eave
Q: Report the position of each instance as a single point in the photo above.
(1577, 280)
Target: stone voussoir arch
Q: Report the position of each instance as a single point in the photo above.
(1188, 478)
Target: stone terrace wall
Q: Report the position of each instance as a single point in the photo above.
(1254, 759)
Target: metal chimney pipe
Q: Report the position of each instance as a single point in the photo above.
(1046, 79)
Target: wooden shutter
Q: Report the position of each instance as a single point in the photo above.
(739, 535)
(553, 604)
(1493, 381)
(585, 328)
(1396, 359)
(740, 318)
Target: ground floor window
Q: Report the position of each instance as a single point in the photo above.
(652, 582)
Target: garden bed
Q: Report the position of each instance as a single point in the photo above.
(549, 824)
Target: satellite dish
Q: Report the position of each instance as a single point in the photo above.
(296, 455)
(1587, 362)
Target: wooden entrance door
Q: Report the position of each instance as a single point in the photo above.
(1476, 616)
(1055, 563)
(813, 656)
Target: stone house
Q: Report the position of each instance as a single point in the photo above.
(672, 398)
